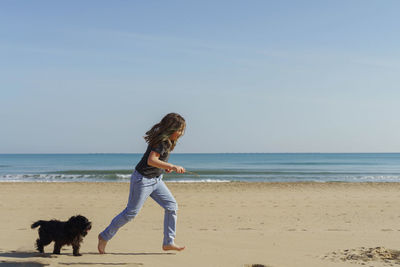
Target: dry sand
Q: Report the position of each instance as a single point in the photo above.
(221, 224)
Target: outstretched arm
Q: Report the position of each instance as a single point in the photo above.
(154, 160)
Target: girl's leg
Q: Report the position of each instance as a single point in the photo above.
(165, 199)
(140, 189)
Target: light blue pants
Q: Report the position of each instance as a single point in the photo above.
(140, 189)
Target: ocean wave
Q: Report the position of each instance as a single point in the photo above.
(200, 181)
(321, 163)
(232, 172)
(94, 172)
(206, 175)
(123, 176)
(62, 177)
(377, 178)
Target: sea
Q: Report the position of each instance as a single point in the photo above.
(202, 167)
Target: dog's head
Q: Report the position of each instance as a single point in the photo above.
(79, 225)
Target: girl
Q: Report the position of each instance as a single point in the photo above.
(147, 181)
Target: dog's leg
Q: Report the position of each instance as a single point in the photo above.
(39, 245)
(43, 240)
(57, 248)
(75, 247)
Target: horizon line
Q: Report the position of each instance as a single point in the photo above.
(116, 153)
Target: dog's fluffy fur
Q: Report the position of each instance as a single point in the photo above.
(70, 232)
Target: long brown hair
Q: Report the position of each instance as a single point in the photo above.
(161, 131)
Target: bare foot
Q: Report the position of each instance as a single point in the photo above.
(102, 245)
(173, 247)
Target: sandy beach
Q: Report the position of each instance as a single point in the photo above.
(221, 224)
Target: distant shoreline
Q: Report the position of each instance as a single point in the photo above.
(205, 153)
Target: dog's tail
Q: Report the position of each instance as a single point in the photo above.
(36, 224)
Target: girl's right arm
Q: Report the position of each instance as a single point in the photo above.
(154, 161)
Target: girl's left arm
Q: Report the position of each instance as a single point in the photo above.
(154, 160)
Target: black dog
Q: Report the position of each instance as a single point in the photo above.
(70, 232)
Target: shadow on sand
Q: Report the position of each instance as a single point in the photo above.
(100, 263)
(21, 264)
(133, 254)
(31, 254)
(24, 254)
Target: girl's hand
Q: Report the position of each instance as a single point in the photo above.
(168, 170)
(178, 169)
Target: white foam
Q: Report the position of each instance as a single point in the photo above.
(200, 181)
(124, 176)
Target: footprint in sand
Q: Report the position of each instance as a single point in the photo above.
(364, 255)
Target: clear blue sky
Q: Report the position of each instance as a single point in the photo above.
(248, 76)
